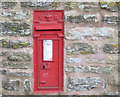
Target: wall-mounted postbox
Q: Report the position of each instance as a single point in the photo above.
(48, 56)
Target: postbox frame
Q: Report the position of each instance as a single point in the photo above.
(37, 37)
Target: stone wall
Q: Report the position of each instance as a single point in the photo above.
(91, 47)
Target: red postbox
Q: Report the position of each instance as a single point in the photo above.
(48, 56)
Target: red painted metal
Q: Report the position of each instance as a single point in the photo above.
(48, 75)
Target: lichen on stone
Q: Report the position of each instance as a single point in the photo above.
(112, 6)
(80, 48)
(14, 29)
(110, 49)
(5, 43)
(82, 18)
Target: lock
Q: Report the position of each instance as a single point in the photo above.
(48, 36)
(46, 66)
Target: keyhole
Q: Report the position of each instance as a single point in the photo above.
(43, 67)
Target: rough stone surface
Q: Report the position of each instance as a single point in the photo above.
(3, 53)
(40, 4)
(87, 6)
(15, 29)
(15, 65)
(15, 15)
(74, 60)
(7, 5)
(90, 33)
(111, 61)
(112, 93)
(112, 6)
(82, 18)
(114, 80)
(91, 69)
(11, 85)
(83, 84)
(19, 56)
(113, 20)
(71, 5)
(80, 48)
(27, 86)
(20, 74)
(5, 43)
(110, 48)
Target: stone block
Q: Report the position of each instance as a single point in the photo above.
(91, 69)
(7, 5)
(52, 4)
(83, 84)
(74, 60)
(19, 74)
(15, 65)
(5, 43)
(15, 29)
(112, 6)
(11, 85)
(83, 18)
(19, 56)
(27, 86)
(80, 48)
(110, 49)
(15, 15)
(90, 33)
(112, 20)
(87, 6)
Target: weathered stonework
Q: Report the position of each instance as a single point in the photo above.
(19, 56)
(15, 65)
(19, 74)
(80, 48)
(82, 19)
(110, 48)
(74, 60)
(87, 6)
(115, 80)
(27, 86)
(90, 33)
(91, 69)
(15, 15)
(3, 53)
(83, 84)
(40, 4)
(15, 29)
(112, 93)
(112, 6)
(71, 5)
(113, 20)
(7, 5)
(11, 85)
(4, 43)
(111, 61)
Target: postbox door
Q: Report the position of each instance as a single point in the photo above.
(48, 70)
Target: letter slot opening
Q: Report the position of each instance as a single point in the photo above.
(42, 28)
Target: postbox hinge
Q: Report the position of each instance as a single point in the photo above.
(60, 35)
(36, 36)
